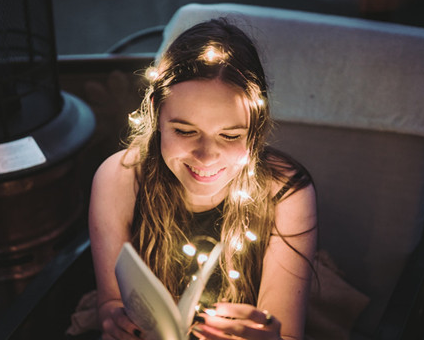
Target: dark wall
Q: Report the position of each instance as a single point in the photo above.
(84, 27)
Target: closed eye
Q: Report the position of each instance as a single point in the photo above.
(230, 137)
(184, 133)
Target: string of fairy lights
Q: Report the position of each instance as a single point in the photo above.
(211, 55)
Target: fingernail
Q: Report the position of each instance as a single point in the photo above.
(137, 333)
(197, 329)
(203, 307)
(199, 318)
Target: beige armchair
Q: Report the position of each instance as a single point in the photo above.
(348, 99)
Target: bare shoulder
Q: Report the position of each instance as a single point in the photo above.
(114, 190)
(115, 176)
(287, 174)
(112, 200)
(114, 168)
(294, 193)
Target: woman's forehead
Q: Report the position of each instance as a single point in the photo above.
(212, 100)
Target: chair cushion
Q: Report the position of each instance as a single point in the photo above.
(370, 188)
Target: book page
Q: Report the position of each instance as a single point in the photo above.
(193, 292)
(147, 302)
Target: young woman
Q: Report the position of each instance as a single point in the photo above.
(197, 168)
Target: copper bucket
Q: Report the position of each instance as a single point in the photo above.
(38, 215)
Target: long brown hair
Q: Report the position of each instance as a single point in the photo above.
(211, 50)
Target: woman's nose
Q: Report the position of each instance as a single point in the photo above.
(206, 150)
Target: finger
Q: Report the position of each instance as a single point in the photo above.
(113, 331)
(242, 328)
(206, 332)
(243, 311)
(123, 322)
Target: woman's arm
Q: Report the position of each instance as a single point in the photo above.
(285, 280)
(286, 275)
(110, 215)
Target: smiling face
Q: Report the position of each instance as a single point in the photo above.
(204, 126)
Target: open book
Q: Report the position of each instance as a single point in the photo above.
(150, 305)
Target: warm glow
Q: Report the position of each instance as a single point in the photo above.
(234, 274)
(202, 258)
(237, 244)
(213, 55)
(210, 55)
(135, 118)
(244, 160)
(189, 249)
(251, 236)
(151, 73)
(243, 194)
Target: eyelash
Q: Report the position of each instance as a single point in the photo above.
(231, 138)
(184, 133)
(190, 133)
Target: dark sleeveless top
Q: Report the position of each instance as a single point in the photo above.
(204, 231)
(208, 224)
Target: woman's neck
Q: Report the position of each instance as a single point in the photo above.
(195, 203)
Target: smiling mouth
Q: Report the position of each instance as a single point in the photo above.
(202, 173)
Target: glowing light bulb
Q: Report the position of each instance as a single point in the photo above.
(202, 258)
(210, 55)
(243, 194)
(251, 236)
(135, 118)
(189, 249)
(237, 244)
(151, 73)
(244, 160)
(234, 274)
(213, 55)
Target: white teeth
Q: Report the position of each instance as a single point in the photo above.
(202, 173)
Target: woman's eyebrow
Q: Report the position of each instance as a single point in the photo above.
(184, 122)
(236, 127)
(180, 121)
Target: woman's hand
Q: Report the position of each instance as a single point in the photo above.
(115, 324)
(238, 321)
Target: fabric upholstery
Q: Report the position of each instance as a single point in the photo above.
(370, 188)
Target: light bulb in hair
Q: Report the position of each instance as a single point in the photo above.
(134, 118)
(189, 249)
(151, 73)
